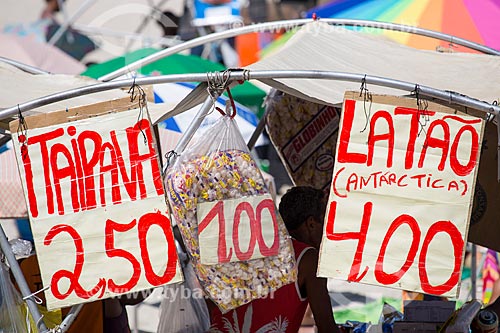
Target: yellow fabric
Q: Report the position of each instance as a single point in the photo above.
(50, 318)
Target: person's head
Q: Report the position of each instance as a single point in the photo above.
(303, 211)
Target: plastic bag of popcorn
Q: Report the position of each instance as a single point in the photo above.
(227, 219)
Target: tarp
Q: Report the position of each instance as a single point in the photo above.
(20, 87)
(319, 46)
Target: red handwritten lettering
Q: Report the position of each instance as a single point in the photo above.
(218, 210)
(437, 142)
(248, 209)
(112, 252)
(145, 222)
(458, 244)
(380, 274)
(79, 172)
(334, 184)
(432, 142)
(78, 168)
(463, 170)
(264, 249)
(133, 133)
(42, 139)
(413, 133)
(343, 155)
(33, 206)
(254, 218)
(112, 169)
(373, 138)
(111, 229)
(359, 236)
(74, 276)
(60, 173)
(88, 164)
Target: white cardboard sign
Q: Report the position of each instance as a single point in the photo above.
(97, 207)
(237, 230)
(400, 198)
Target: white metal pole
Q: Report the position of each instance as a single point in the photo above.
(70, 317)
(193, 126)
(27, 68)
(21, 282)
(424, 91)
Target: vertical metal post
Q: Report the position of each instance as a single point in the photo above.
(257, 132)
(21, 281)
(473, 270)
(70, 317)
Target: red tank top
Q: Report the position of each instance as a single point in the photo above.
(280, 313)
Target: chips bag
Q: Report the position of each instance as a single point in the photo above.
(218, 167)
(305, 136)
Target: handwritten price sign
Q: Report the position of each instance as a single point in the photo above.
(96, 205)
(237, 230)
(401, 195)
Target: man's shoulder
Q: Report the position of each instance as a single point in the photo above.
(300, 247)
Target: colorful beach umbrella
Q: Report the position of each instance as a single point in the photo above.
(490, 274)
(474, 20)
(246, 93)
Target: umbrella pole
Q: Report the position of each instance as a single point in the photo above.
(21, 282)
(257, 132)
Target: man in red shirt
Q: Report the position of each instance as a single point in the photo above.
(302, 209)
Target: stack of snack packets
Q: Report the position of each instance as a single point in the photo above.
(218, 166)
(305, 136)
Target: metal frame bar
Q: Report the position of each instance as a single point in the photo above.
(24, 67)
(291, 24)
(443, 95)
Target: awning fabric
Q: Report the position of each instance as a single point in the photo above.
(319, 46)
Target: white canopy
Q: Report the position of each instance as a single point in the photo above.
(19, 87)
(319, 46)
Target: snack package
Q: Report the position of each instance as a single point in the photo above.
(218, 166)
(305, 136)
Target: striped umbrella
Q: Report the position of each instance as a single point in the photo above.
(474, 20)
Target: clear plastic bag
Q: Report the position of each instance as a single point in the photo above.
(183, 308)
(216, 167)
(11, 305)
